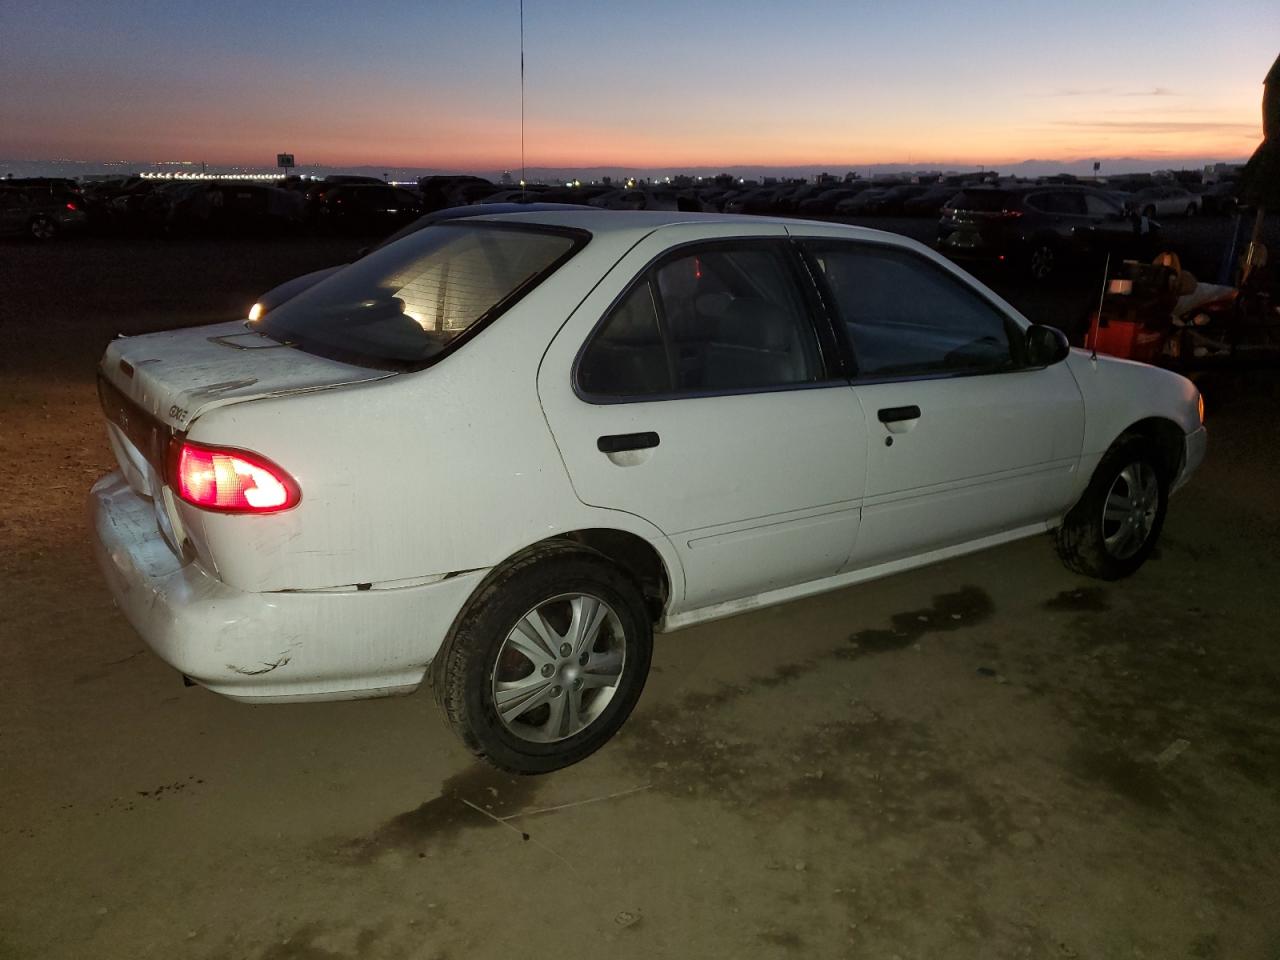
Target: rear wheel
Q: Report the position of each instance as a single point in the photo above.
(546, 663)
(42, 228)
(1112, 530)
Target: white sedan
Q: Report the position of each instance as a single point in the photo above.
(1171, 201)
(506, 450)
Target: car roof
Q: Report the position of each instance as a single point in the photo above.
(639, 223)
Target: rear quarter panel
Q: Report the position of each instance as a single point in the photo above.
(448, 469)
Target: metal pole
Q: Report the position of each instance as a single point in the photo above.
(523, 188)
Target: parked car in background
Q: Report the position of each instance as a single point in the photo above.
(508, 450)
(1041, 228)
(37, 214)
(647, 199)
(511, 195)
(825, 202)
(367, 208)
(316, 190)
(227, 209)
(56, 188)
(929, 203)
(452, 190)
(1168, 201)
(864, 201)
(575, 195)
(789, 200)
(892, 201)
(1217, 198)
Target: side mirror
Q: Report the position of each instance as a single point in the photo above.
(1046, 345)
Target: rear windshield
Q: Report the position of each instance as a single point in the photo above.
(407, 304)
(984, 201)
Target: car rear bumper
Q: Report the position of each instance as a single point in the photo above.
(1193, 455)
(266, 647)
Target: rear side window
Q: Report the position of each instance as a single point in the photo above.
(628, 357)
(407, 303)
(907, 317)
(719, 319)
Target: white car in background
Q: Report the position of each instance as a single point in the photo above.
(1169, 201)
(506, 450)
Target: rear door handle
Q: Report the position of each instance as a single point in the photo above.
(618, 442)
(896, 414)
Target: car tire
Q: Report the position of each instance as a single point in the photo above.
(1043, 260)
(1114, 527)
(514, 646)
(42, 228)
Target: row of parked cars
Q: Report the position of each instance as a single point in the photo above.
(42, 208)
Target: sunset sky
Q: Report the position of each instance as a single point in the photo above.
(665, 83)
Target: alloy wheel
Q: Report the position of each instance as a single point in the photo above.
(1042, 258)
(558, 668)
(42, 228)
(1129, 512)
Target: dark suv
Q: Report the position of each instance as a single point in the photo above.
(1041, 229)
(37, 213)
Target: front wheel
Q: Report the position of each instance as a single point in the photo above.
(1112, 530)
(546, 662)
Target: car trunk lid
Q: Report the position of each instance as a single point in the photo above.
(177, 375)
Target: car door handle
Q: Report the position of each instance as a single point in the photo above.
(618, 442)
(895, 414)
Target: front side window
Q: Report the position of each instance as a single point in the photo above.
(907, 317)
(405, 304)
(717, 319)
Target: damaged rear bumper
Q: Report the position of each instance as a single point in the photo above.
(265, 647)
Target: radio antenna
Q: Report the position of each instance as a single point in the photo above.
(523, 188)
(1097, 320)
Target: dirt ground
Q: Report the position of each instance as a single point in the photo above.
(989, 758)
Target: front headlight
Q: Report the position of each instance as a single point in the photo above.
(256, 312)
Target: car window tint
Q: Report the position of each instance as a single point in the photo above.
(1057, 202)
(735, 320)
(1099, 206)
(905, 316)
(712, 320)
(405, 303)
(627, 357)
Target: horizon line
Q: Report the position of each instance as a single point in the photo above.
(1163, 158)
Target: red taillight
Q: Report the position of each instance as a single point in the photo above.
(71, 206)
(233, 481)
